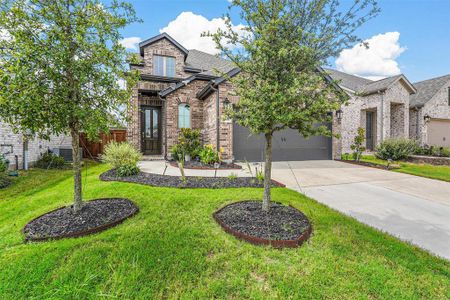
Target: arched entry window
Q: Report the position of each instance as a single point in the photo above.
(184, 116)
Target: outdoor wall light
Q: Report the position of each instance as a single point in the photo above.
(339, 115)
(426, 118)
(226, 103)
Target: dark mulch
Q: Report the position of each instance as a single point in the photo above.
(4, 182)
(370, 164)
(280, 223)
(191, 181)
(194, 164)
(96, 215)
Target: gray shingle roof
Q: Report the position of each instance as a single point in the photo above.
(159, 37)
(348, 81)
(427, 89)
(379, 85)
(207, 62)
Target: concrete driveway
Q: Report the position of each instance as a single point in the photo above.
(415, 209)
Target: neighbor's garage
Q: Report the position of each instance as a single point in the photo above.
(438, 132)
(287, 145)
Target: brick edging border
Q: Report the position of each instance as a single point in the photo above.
(279, 244)
(84, 232)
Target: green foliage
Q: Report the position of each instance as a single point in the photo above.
(50, 160)
(189, 141)
(123, 157)
(3, 164)
(345, 156)
(260, 175)
(127, 170)
(433, 151)
(357, 145)
(396, 149)
(177, 153)
(283, 45)
(208, 155)
(353, 259)
(232, 176)
(4, 181)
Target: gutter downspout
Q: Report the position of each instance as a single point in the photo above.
(217, 117)
(164, 126)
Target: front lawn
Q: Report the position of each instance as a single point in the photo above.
(423, 170)
(174, 249)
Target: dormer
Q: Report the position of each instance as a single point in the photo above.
(163, 56)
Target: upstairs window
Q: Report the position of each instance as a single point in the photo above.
(163, 66)
(184, 116)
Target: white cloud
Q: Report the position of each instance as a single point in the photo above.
(376, 62)
(188, 27)
(4, 35)
(131, 42)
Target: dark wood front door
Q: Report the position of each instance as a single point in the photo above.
(151, 130)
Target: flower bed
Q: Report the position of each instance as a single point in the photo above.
(190, 182)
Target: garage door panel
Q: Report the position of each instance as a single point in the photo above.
(287, 145)
(438, 132)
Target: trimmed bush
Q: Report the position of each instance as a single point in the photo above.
(123, 157)
(3, 164)
(396, 149)
(208, 155)
(4, 181)
(49, 160)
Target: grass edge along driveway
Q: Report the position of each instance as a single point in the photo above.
(173, 248)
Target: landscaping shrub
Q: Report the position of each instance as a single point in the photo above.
(177, 152)
(396, 149)
(433, 151)
(189, 141)
(3, 164)
(50, 160)
(4, 181)
(123, 157)
(357, 145)
(208, 155)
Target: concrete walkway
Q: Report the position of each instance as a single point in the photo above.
(415, 209)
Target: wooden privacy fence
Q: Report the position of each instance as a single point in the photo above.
(94, 149)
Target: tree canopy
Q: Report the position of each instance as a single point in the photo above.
(280, 54)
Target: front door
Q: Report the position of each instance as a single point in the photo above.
(151, 130)
(369, 130)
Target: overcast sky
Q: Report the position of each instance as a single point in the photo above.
(409, 36)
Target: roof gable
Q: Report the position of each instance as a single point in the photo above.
(160, 37)
(427, 89)
(384, 84)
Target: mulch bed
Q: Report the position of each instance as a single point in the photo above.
(96, 215)
(191, 181)
(193, 164)
(282, 226)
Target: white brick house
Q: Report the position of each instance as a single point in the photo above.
(12, 145)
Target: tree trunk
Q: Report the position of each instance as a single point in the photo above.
(77, 196)
(267, 172)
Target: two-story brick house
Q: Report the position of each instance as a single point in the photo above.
(182, 88)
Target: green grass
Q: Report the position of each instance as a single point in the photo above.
(423, 170)
(174, 249)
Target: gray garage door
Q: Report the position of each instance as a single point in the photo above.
(287, 145)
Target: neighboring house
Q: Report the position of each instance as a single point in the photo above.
(430, 112)
(182, 88)
(12, 146)
(380, 107)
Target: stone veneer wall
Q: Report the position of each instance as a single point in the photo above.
(436, 108)
(36, 147)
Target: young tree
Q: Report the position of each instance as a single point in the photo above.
(62, 65)
(281, 84)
